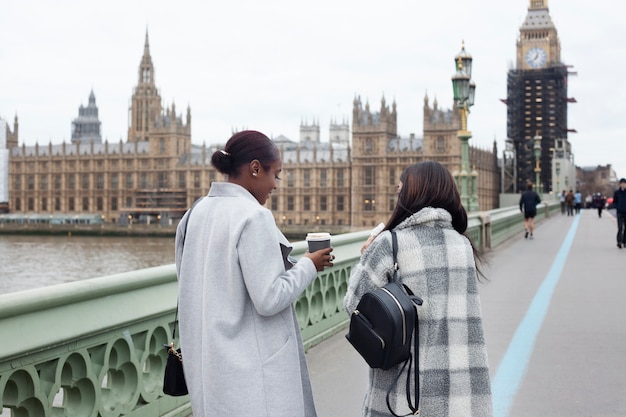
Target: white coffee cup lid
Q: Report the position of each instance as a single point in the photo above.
(318, 236)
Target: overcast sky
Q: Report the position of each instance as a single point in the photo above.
(269, 65)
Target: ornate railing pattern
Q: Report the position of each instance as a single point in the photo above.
(95, 347)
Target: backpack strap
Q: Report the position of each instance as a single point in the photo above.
(394, 248)
(416, 336)
(414, 409)
(416, 301)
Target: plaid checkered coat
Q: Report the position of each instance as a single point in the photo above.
(437, 263)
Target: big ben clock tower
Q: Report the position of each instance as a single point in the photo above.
(536, 100)
(538, 45)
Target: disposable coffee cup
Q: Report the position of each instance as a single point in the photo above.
(318, 241)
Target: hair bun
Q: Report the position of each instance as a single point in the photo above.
(222, 161)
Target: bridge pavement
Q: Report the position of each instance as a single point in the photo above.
(555, 326)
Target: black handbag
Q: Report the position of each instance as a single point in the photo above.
(381, 328)
(174, 379)
(174, 383)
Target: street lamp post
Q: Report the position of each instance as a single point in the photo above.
(464, 92)
(558, 176)
(537, 149)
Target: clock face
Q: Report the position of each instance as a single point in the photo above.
(536, 57)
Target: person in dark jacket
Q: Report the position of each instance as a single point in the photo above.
(619, 202)
(599, 202)
(569, 203)
(528, 205)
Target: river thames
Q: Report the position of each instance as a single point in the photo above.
(28, 262)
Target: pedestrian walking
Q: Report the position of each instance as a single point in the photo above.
(528, 206)
(569, 203)
(562, 201)
(619, 202)
(578, 201)
(598, 203)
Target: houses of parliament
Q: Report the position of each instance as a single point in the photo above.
(347, 183)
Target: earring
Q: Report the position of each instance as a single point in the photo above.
(255, 173)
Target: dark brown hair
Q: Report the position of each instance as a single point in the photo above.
(241, 149)
(430, 184)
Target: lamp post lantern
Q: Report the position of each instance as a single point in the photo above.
(464, 90)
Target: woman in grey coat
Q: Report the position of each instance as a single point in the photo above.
(240, 339)
(437, 262)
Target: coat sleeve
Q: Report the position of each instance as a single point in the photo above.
(270, 287)
(373, 271)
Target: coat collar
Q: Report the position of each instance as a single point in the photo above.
(229, 189)
(427, 216)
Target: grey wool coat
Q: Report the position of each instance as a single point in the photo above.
(437, 264)
(241, 343)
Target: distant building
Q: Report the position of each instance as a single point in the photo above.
(536, 103)
(335, 184)
(157, 173)
(145, 179)
(11, 137)
(598, 179)
(315, 186)
(86, 127)
(4, 167)
(379, 155)
(564, 174)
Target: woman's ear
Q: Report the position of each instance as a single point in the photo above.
(255, 167)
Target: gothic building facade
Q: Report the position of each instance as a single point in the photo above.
(379, 155)
(338, 184)
(148, 178)
(157, 173)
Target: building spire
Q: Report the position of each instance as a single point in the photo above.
(146, 105)
(146, 69)
(146, 46)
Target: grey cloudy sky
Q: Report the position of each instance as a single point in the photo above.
(268, 65)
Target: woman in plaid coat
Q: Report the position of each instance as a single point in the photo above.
(437, 262)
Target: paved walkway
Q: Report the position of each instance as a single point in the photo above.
(555, 322)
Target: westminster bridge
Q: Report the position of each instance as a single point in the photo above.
(554, 316)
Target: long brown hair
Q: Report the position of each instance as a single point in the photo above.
(430, 184)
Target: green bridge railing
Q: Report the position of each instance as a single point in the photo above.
(94, 347)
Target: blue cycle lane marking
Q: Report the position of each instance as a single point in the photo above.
(513, 366)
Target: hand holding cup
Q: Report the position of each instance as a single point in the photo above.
(319, 250)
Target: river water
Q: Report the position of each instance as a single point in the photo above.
(36, 261)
